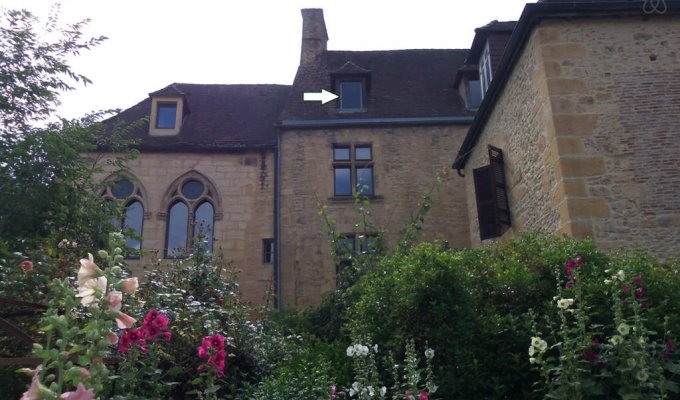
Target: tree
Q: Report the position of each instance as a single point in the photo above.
(46, 185)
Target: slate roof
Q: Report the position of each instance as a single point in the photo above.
(403, 84)
(220, 117)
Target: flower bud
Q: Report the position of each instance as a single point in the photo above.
(117, 251)
(117, 259)
(116, 269)
(103, 254)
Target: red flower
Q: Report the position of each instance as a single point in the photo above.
(27, 266)
(423, 396)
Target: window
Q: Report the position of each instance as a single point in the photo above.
(351, 95)
(347, 248)
(474, 94)
(485, 69)
(267, 251)
(353, 170)
(166, 115)
(191, 215)
(493, 211)
(128, 194)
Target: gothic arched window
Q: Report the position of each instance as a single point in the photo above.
(191, 215)
(128, 194)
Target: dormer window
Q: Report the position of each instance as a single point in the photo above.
(351, 95)
(473, 94)
(166, 115)
(485, 69)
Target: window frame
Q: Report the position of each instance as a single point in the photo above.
(136, 195)
(485, 72)
(268, 251)
(194, 203)
(162, 105)
(361, 82)
(353, 165)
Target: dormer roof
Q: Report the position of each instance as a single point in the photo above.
(222, 117)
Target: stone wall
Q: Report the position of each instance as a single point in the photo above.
(588, 123)
(519, 126)
(619, 121)
(406, 162)
(245, 186)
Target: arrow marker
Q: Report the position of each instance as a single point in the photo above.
(324, 96)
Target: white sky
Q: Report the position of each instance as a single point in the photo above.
(153, 43)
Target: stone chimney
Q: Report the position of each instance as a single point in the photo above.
(314, 36)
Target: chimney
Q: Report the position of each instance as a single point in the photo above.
(314, 36)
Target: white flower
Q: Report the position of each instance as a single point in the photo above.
(429, 353)
(90, 288)
(616, 339)
(375, 348)
(371, 391)
(642, 375)
(621, 275)
(607, 281)
(383, 391)
(532, 360)
(631, 362)
(623, 328)
(88, 269)
(350, 351)
(565, 303)
(536, 341)
(532, 350)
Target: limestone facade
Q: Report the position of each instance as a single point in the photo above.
(406, 161)
(588, 124)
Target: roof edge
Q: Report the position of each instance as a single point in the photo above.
(368, 122)
(532, 14)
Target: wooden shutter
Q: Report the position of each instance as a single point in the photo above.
(491, 194)
(500, 193)
(486, 205)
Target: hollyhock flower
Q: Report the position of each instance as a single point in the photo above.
(616, 339)
(202, 352)
(161, 322)
(670, 346)
(642, 375)
(129, 285)
(112, 338)
(639, 292)
(565, 303)
(80, 394)
(217, 341)
(569, 268)
(623, 328)
(423, 396)
(27, 265)
(579, 260)
(429, 353)
(114, 298)
(124, 321)
(167, 335)
(88, 290)
(33, 392)
(88, 269)
(383, 391)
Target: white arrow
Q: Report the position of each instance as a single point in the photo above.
(324, 96)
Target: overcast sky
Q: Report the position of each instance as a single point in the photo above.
(153, 43)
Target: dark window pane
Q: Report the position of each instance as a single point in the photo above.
(203, 224)
(350, 95)
(192, 189)
(341, 154)
(362, 153)
(343, 181)
(365, 181)
(122, 189)
(178, 224)
(134, 216)
(267, 251)
(345, 247)
(474, 94)
(165, 118)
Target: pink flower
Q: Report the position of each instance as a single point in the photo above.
(670, 346)
(167, 335)
(84, 373)
(27, 266)
(217, 341)
(33, 392)
(161, 322)
(80, 394)
(579, 260)
(114, 298)
(423, 396)
(89, 289)
(202, 352)
(112, 338)
(125, 321)
(639, 292)
(129, 285)
(88, 269)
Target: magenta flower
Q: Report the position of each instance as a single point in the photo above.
(423, 396)
(27, 266)
(212, 349)
(80, 394)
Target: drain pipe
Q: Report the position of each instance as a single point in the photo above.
(277, 223)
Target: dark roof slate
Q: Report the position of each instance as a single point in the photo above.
(404, 84)
(222, 117)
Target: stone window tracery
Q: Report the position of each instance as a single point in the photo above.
(129, 194)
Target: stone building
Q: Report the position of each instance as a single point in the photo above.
(563, 123)
(577, 132)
